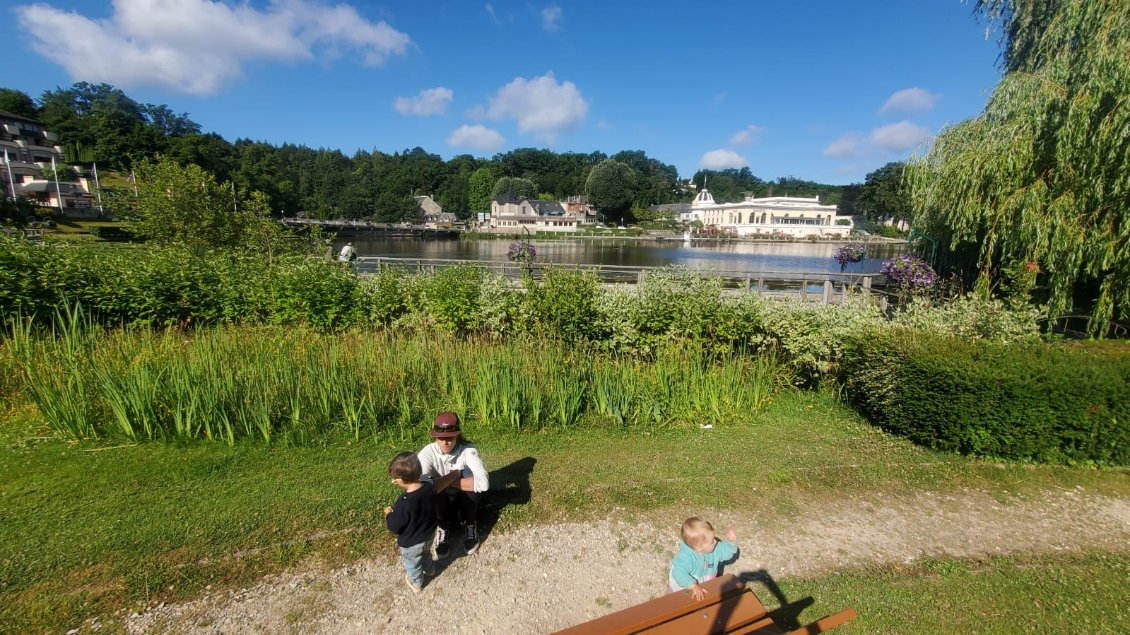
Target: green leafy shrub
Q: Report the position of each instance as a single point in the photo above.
(812, 338)
(320, 293)
(564, 304)
(449, 299)
(972, 316)
(385, 296)
(1044, 402)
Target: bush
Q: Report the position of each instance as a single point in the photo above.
(449, 299)
(564, 304)
(175, 286)
(1044, 402)
(972, 316)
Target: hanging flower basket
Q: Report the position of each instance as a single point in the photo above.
(522, 252)
(851, 252)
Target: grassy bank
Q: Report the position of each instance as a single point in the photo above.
(1083, 593)
(86, 529)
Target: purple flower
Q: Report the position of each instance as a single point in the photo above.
(909, 272)
(521, 252)
(851, 252)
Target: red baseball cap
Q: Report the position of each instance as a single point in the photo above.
(446, 425)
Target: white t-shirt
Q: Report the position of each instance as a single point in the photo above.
(464, 458)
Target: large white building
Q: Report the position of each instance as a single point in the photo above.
(31, 165)
(773, 216)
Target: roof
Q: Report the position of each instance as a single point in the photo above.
(4, 114)
(510, 197)
(547, 208)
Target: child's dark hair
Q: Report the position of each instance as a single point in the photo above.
(406, 467)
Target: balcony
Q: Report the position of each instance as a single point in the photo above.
(12, 129)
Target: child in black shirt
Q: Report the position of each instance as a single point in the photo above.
(412, 518)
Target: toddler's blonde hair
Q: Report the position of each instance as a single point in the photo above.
(697, 532)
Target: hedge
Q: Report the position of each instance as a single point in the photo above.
(1051, 402)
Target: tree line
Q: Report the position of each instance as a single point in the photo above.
(100, 123)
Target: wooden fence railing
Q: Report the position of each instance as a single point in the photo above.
(813, 286)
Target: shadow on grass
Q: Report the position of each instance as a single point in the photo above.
(787, 615)
(509, 485)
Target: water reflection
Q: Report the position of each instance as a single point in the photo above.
(722, 256)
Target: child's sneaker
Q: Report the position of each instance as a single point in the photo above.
(440, 548)
(471, 541)
(412, 585)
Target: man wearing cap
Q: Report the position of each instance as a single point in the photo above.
(450, 453)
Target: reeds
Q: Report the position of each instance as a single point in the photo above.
(273, 384)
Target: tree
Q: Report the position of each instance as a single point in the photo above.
(514, 185)
(176, 204)
(18, 103)
(611, 188)
(883, 196)
(481, 184)
(1043, 174)
(15, 212)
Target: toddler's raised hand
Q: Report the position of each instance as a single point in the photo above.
(730, 535)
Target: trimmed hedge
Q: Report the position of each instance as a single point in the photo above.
(1065, 403)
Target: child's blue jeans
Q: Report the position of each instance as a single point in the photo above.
(417, 561)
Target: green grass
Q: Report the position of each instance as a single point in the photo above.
(86, 529)
(1084, 593)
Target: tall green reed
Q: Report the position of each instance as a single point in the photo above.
(273, 384)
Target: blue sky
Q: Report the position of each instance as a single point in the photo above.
(821, 90)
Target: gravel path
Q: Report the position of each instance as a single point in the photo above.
(539, 579)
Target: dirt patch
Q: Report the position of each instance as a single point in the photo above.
(539, 579)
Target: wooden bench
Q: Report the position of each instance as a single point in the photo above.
(729, 607)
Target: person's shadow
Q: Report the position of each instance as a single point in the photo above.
(787, 614)
(509, 485)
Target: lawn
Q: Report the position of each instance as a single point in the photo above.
(86, 529)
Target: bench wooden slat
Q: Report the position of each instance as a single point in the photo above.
(712, 619)
(662, 609)
(764, 626)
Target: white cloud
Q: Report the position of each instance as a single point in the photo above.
(848, 145)
(746, 136)
(541, 106)
(491, 13)
(432, 101)
(198, 46)
(722, 159)
(898, 137)
(909, 101)
(476, 138)
(550, 18)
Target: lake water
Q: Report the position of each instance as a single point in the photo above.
(722, 256)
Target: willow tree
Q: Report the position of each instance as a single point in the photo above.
(1042, 176)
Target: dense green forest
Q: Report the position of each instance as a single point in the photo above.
(98, 122)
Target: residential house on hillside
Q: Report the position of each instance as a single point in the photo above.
(33, 166)
(432, 214)
(511, 213)
(773, 216)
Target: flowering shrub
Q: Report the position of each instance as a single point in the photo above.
(909, 272)
(851, 252)
(521, 252)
